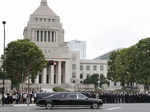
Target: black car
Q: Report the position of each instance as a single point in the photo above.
(69, 99)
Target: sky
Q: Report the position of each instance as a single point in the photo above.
(105, 25)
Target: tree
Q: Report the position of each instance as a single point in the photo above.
(143, 60)
(111, 75)
(131, 65)
(103, 80)
(1, 74)
(93, 79)
(22, 59)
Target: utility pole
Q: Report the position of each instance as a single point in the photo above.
(3, 88)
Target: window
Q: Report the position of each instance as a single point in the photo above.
(87, 75)
(33, 81)
(81, 96)
(48, 36)
(53, 20)
(73, 81)
(101, 67)
(45, 35)
(47, 79)
(41, 36)
(37, 35)
(56, 95)
(52, 36)
(94, 67)
(81, 67)
(41, 19)
(87, 67)
(74, 96)
(74, 66)
(49, 20)
(44, 19)
(40, 78)
(81, 76)
(73, 75)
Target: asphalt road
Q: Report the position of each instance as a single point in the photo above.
(106, 108)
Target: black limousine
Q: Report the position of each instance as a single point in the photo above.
(68, 99)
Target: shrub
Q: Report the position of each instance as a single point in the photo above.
(59, 89)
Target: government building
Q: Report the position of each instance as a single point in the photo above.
(45, 30)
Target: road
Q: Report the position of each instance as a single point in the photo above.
(106, 108)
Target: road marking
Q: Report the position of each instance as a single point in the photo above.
(114, 108)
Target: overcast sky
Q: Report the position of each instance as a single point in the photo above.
(104, 24)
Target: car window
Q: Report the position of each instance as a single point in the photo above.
(54, 96)
(81, 96)
(72, 96)
(58, 95)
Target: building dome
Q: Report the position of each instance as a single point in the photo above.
(44, 10)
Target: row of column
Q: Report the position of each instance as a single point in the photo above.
(44, 36)
(53, 74)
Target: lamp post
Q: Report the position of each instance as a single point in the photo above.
(3, 88)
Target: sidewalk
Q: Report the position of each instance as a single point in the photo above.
(17, 105)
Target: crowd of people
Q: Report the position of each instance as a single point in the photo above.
(108, 97)
(18, 98)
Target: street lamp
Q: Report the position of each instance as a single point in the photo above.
(3, 88)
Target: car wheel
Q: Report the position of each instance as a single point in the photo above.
(95, 106)
(49, 106)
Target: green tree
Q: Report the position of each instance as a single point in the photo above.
(143, 61)
(121, 66)
(131, 65)
(1, 74)
(22, 59)
(93, 79)
(102, 80)
(111, 75)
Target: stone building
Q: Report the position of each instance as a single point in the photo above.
(45, 29)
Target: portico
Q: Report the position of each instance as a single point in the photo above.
(53, 74)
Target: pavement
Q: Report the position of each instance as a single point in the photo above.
(16, 105)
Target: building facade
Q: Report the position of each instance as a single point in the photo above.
(45, 30)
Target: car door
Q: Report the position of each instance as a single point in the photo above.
(71, 99)
(82, 100)
(57, 99)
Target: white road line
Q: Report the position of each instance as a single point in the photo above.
(114, 108)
